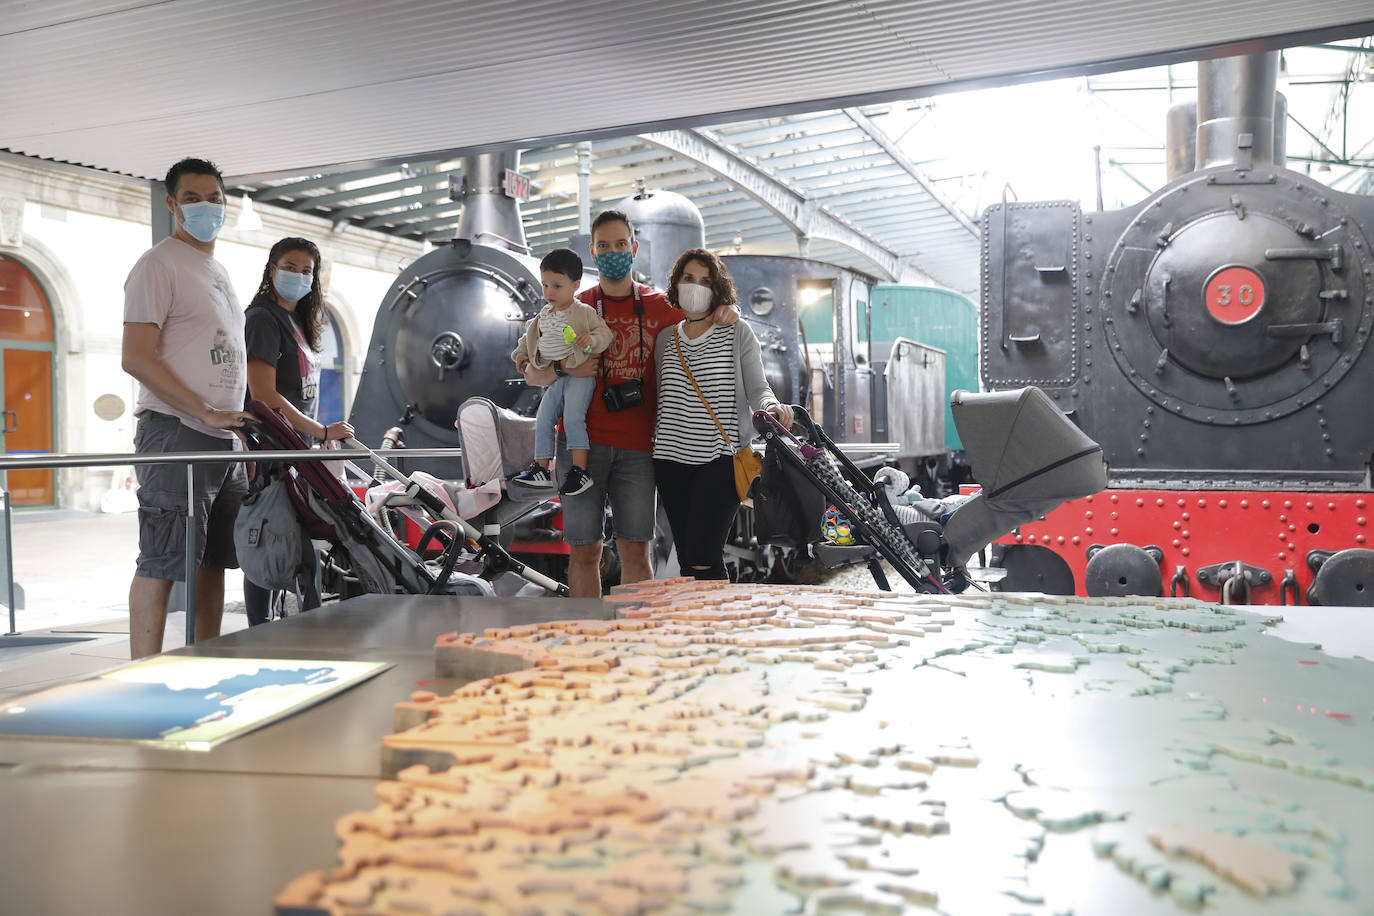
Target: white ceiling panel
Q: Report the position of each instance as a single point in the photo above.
(265, 86)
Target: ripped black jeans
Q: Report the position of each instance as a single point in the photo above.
(700, 502)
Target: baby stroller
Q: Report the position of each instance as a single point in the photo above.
(365, 555)
(1028, 455)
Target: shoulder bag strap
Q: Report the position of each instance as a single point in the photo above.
(678, 343)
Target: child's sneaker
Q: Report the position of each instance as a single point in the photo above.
(576, 482)
(534, 477)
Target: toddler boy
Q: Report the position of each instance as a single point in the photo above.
(566, 330)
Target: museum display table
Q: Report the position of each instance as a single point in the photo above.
(119, 829)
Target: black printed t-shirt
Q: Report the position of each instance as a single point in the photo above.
(274, 335)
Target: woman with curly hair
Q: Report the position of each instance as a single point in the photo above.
(710, 381)
(282, 333)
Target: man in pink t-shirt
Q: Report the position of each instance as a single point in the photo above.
(183, 342)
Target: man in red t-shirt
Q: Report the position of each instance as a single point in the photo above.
(620, 461)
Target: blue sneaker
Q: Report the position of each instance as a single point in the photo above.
(576, 482)
(533, 477)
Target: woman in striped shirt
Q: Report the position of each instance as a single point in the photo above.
(710, 380)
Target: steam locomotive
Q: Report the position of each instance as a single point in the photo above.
(1214, 339)
(446, 329)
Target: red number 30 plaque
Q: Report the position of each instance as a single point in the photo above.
(1234, 295)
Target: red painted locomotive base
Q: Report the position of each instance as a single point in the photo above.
(1195, 529)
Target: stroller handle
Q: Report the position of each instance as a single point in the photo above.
(766, 423)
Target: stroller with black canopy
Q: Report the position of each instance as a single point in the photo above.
(365, 556)
(1027, 454)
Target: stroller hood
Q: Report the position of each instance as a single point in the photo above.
(1028, 456)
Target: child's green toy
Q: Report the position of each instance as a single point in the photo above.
(570, 336)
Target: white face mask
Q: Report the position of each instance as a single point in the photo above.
(694, 299)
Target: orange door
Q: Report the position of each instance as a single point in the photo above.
(26, 356)
(28, 421)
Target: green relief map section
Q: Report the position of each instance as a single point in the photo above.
(786, 750)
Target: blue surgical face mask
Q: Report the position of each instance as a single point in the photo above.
(202, 220)
(614, 265)
(292, 287)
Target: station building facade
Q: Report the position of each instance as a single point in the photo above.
(68, 237)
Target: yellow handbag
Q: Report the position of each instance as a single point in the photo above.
(747, 464)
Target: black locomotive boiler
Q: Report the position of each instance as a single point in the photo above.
(1214, 339)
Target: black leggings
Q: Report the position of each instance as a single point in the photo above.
(700, 502)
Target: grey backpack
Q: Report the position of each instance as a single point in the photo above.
(269, 539)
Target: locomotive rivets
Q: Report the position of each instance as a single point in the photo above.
(1283, 518)
(1184, 534)
(1186, 551)
(1360, 520)
(1359, 539)
(1265, 504)
(1060, 539)
(1140, 502)
(1115, 497)
(1159, 503)
(1282, 536)
(1288, 503)
(1245, 504)
(1184, 515)
(1177, 526)
(1182, 503)
(1311, 506)
(1088, 514)
(1115, 532)
(1202, 504)
(1331, 507)
(1140, 452)
(1330, 452)
(1359, 504)
(1088, 532)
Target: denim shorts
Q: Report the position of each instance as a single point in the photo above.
(625, 476)
(219, 491)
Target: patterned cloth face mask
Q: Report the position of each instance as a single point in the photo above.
(614, 265)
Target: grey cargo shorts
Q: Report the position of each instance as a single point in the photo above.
(219, 490)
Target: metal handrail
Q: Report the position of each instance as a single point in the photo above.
(79, 460)
(190, 459)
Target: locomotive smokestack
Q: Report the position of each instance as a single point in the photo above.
(1180, 144)
(1235, 110)
(490, 214)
